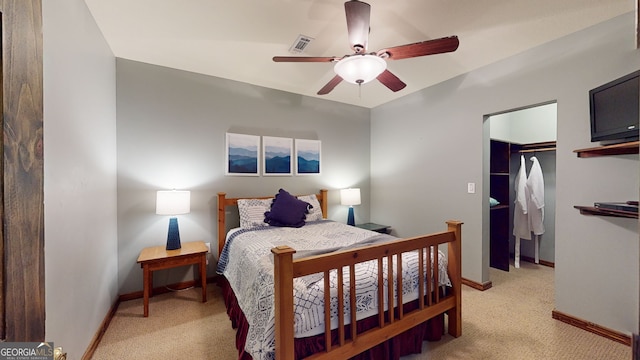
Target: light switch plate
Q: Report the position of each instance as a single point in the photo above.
(471, 188)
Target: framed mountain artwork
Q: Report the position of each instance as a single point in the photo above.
(242, 156)
(308, 156)
(277, 156)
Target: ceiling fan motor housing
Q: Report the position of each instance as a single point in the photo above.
(360, 69)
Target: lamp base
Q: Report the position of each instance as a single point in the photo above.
(173, 237)
(350, 218)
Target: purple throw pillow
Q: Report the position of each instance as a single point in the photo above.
(286, 210)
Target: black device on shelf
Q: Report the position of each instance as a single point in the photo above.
(630, 206)
(615, 108)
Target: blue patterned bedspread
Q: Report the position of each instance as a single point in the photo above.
(247, 263)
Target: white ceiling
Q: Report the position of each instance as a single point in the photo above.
(237, 39)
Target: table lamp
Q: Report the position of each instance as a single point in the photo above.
(350, 197)
(173, 202)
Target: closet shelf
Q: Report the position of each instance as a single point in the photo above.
(616, 149)
(590, 210)
(499, 207)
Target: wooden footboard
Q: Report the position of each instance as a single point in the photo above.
(394, 323)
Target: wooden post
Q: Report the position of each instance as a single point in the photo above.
(222, 231)
(283, 300)
(22, 278)
(323, 203)
(454, 266)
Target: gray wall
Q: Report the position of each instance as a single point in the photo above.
(426, 146)
(79, 176)
(171, 134)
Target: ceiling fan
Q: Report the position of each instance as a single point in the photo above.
(362, 67)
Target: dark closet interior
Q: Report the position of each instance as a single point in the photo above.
(504, 164)
(499, 213)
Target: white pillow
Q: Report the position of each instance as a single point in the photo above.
(315, 213)
(252, 211)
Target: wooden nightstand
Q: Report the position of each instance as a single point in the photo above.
(383, 229)
(158, 258)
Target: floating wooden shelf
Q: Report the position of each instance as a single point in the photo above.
(590, 210)
(617, 149)
(499, 207)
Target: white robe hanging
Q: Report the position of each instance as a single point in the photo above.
(521, 228)
(535, 203)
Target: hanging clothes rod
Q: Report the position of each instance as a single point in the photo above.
(536, 150)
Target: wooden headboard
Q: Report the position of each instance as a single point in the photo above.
(223, 202)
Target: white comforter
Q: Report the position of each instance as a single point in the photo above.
(247, 263)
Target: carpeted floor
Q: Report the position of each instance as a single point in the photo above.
(511, 321)
(179, 326)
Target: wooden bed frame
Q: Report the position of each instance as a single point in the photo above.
(391, 323)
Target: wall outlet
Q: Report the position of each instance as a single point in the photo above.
(471, 188)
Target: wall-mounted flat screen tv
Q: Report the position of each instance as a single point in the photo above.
(615, 108)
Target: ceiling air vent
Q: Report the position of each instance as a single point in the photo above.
(300, 44)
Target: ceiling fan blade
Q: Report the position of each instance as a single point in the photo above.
(429, 47)
(305, 59)
(391, 81)
(330, 85)
(358, 15)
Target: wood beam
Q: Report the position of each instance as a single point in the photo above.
(22, 171)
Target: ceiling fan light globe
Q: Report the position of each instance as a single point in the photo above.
(360, 69)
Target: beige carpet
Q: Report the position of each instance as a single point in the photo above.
(511, 321)
(179, 326)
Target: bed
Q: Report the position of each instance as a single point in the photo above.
(291, 266)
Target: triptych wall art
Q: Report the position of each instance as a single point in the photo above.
(277, 156)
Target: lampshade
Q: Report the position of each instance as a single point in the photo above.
(173, 202)
(350, 196)
(360, 69)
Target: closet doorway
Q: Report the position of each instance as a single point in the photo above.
(518, 139)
